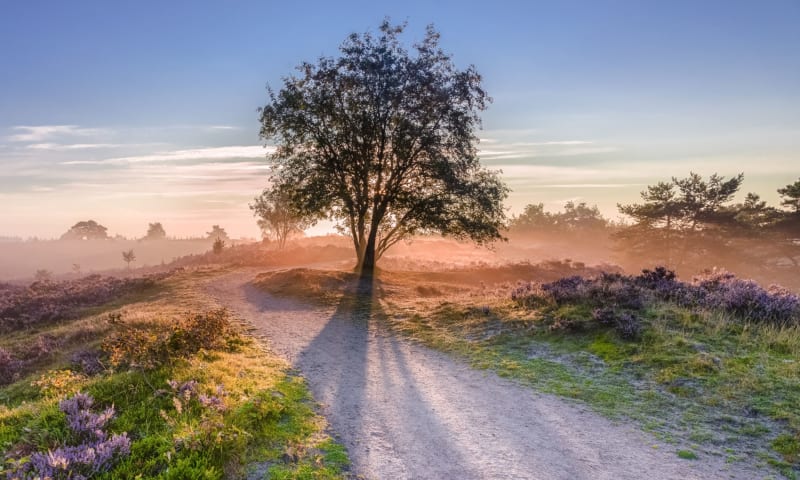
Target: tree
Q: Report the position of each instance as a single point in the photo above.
(576, 217)
(128, 257)
(218, 246)
(533, 218)
(217, 233)
(155, 231)
(43, 275)
(382, 141)
(682, 221)
(277, 216)
(791, 196)
(88, 230)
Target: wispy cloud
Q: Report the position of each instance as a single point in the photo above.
(72, 146)
(40, 133)
(498, 150)
(213, 153)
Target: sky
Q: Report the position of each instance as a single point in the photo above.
(135, 112)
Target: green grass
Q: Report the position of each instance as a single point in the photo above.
(269, 424)
(687, 455)
(692, 377)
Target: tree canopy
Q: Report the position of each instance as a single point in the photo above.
(382, 140)
(576, 217)
(791, 196)
(217, 233)
(277, 216)
(155, 231)
(86, 230)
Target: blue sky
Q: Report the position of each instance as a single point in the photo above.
(132, 112)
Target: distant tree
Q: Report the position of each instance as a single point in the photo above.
(217, 233)
(576, 217)
(688, 221)
(155, 231)
(383, 142)
(128, 257)
(88, 230)
(277, 217)
(791, 196)
(580, 216)
(533, 218)
(218, 246)
(43, 275)
(754, 214)
(76, 269)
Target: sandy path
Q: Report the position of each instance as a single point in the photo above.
(407, 412)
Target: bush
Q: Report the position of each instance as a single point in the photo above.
(151, 346)
(9, 367)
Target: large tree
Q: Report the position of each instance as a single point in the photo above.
(382, 140)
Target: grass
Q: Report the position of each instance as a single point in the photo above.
(268, 428)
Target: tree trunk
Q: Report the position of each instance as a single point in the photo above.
(367, 263)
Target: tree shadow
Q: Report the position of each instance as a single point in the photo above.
(361, 376)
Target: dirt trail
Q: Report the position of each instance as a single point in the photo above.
(407, 412)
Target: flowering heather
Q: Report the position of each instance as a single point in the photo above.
(81, 420)
(96, 453)
(40, 302)
(616, 298)
(9, 367)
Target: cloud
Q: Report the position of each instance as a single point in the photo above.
(73, 146)
(213, 153)
(552, 148)
(40, 133)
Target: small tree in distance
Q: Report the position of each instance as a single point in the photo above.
(218, 246)
(383, 142)
(277, 216)
(43, 275)
(128, 257)
(155, 231)
(217, 233)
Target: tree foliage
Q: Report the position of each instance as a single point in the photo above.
(381, 140)
(155, 231)
(576, 217)
(693, 223)
(86, 230)
(277, 216)
(217, 233)
(791, 196)
(128, 257)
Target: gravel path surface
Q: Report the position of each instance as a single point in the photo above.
(407, 412)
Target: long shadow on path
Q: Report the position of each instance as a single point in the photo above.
(371, 399)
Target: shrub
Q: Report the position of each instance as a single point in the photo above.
(88, 361)
(95, 452)
(151, 346)
(9, 367)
